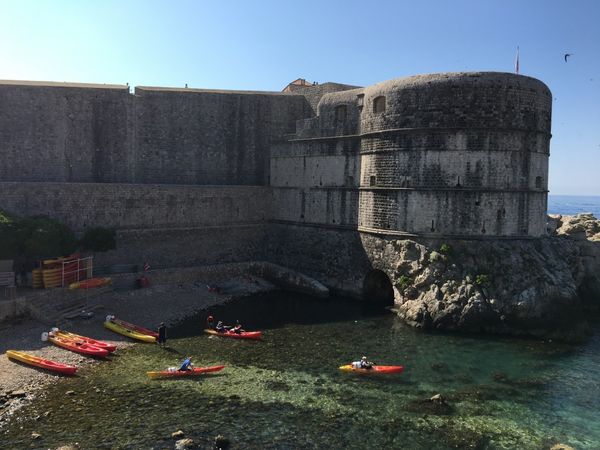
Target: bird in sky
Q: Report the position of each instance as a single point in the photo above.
(567, 55)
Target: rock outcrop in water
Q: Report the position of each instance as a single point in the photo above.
(538, 287)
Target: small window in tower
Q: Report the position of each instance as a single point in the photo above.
(360, 100)
(379, 105)
(538, 182)
(340, 113)
(373, 180)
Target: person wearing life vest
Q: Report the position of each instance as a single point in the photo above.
(363, 364)
(238, 327)
(220, 327)
(187, 364)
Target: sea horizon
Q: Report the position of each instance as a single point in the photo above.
(573, 204)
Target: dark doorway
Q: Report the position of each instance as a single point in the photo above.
(377, 288)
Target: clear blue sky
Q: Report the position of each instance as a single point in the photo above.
(262, 45)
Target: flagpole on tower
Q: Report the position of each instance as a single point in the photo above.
(517, 61)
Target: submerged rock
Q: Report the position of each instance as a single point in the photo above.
(561, 447)
(221, 442)
(185, 444)
(500, 377)
(177, 434)
(436, 405)
(439, 367)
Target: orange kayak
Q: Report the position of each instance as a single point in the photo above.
(234, 335)
(78, 346)
(90, 283)
(183, 373)
(76, 337)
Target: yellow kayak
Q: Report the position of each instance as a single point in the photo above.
(129, 333)
(36, 361)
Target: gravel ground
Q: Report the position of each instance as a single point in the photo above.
(147, 307)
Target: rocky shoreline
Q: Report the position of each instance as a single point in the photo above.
(170, 303)
(541, 288)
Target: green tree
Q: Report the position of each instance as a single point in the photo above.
(34, 237)
(99, 239)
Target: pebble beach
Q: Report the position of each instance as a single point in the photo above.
(169, 303)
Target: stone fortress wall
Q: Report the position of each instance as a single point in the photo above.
(462, 155)
(304, 178)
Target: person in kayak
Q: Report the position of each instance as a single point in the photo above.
(210, 322)
(238, 328)
(187, 364)
(162, 335)
(363, 364)
(221, 328)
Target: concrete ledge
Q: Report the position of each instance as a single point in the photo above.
(10, 309)
(278, 275)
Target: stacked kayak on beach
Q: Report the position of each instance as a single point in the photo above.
(77, 346)
(130, 330)
(69, 341)
(100, 344)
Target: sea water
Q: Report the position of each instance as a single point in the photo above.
(574, 204)
(286, 391)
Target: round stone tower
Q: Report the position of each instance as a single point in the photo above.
(457, 154)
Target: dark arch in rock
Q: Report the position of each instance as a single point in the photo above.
(377, 288)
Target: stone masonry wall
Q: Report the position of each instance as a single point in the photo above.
(62, 132)
(168, 226)
(135, 206)
(186, 247)
(102, 134)
(187, 136)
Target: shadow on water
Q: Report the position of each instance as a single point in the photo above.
(278, 309)
(170, 350)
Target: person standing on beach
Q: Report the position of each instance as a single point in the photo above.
(162, 335)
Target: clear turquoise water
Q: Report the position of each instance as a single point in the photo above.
(286, 391)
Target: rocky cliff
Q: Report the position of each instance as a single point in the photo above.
(540, 287)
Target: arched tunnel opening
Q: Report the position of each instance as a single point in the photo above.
(378, 289)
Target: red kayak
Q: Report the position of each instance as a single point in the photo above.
(41, 362)
(79, 346)
(232, 334)
(374, 369)
(133, 327)
(184, 373)
(76, 337)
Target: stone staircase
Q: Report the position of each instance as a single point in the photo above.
(55, 306)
